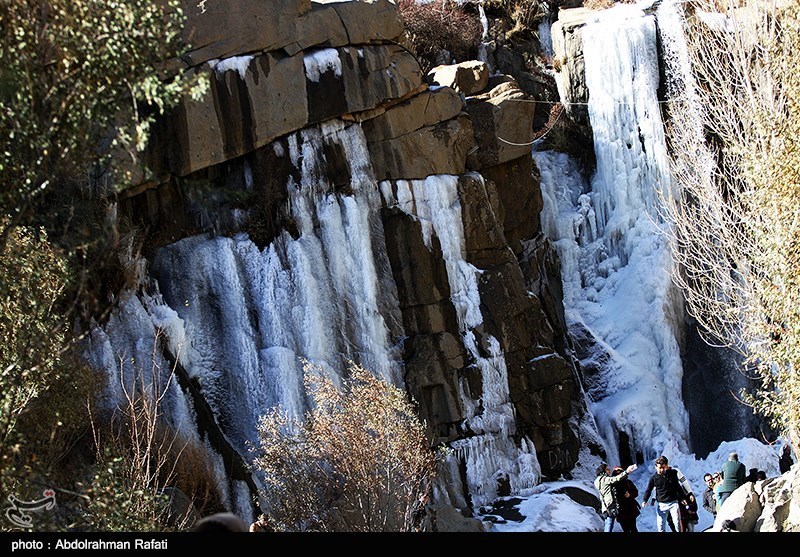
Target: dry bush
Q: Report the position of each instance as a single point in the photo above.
(141, 458)
(358, 462)
(737, 226)
(524, 14)
(437, 26)
(598, 4)
(194, 476)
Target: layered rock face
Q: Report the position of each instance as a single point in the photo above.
(226, 163)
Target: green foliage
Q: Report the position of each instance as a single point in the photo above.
(358, 462)
(33, 275)
(44, 389)
(79, 80)
(119, 502)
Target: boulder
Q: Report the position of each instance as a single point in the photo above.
(450, 519)
(468, 78)
(771, 505)
(502, 121)
(780, 498)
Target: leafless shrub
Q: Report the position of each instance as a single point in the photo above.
(141, 458)
(358, 462)
(436, 26)
(736, 224)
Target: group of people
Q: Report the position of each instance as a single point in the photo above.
(675, 504)
(720, 485)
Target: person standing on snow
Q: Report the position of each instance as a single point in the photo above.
(629, 509)
(669, 492)
(688, 503)
(709, 501)
(606, 485)
(733, 475)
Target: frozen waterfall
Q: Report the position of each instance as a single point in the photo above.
(616, 264)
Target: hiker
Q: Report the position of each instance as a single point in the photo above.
(605, 484)
(668, 493)
(629, 509)
(688, 505)
(733, 475)
(689, 516)
(709, 501)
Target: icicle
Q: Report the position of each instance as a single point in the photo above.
(490, 453)
(241, 320)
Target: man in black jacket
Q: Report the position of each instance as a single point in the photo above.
(668, 494)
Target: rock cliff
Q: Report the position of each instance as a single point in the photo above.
(222, 165)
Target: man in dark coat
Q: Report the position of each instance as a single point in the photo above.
(733, 475)
(628, 505)
(709, 502)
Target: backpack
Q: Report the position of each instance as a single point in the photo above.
(613, 507)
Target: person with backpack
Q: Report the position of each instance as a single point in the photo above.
(668, 493)
(688, 503)
(629, 510)
(605, 484)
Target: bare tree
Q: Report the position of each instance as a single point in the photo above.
(358, 462)
(142, 459)
(736, 222)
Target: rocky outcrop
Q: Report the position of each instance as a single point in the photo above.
(568, 62)
(254, 99)
(502, 121)
(217, 30)
(570, 119)
(770, 505)
(423, 135)
(223, 164)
